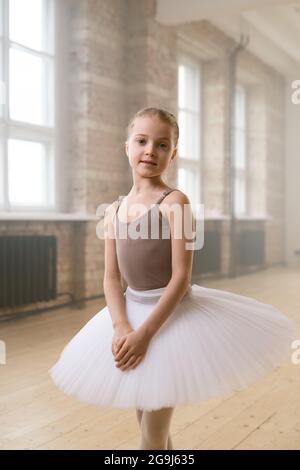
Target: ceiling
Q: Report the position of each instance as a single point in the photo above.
(272, 25)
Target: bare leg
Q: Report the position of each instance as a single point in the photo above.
(139, 414)
(155, 427)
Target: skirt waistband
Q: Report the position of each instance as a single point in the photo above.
(149, 295)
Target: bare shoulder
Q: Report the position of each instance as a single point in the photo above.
(113, 206)
(176, 197)
(171, 203)
(111, 209)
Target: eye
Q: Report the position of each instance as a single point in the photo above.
(141, 140)
(164, 145)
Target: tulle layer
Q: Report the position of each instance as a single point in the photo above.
(214, 343)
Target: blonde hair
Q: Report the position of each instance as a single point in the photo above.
(162, 114)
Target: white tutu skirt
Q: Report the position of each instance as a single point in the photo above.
(214, 343)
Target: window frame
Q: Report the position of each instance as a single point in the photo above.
(14, 129)
(241, 174)
(186, 163)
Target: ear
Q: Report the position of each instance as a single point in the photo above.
(126, 148)
(174, 154)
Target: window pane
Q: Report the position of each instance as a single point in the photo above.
(29, 23)
(188, 85)
(1, 17)
(30, 88)
(240, 149)
(26, 172)
(240, 195)
(240, 108)
(2, 173)
(2, 86)
(188, 144)
(189, 183)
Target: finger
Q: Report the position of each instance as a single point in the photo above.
(128, 363)
(123, 362)
(135, 362)
(118, 347)
(125, 357)
(120, 339)
(119, 343)
(114, 348)
(120, 355)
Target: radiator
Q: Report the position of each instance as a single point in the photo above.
(251, 247)
(27, 269)
(208, 259)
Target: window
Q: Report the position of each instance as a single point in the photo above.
(240, 202)
(189, 121)
(27, 124)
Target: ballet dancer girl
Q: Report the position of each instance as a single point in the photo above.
(164, 342)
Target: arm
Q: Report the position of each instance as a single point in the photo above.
(175, 291)
(112, 283)
(182, 260)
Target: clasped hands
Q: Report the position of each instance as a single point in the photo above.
(129, 346)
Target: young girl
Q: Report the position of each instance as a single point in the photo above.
(164, 342)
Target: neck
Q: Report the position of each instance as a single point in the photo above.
(144, 185)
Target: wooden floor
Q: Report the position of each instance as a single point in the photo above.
(34, 414)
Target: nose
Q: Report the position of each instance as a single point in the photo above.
(150, 149)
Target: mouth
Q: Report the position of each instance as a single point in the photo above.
(148, 163)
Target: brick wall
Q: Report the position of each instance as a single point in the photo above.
(121, 60)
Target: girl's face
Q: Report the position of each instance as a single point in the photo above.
(151, 140)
